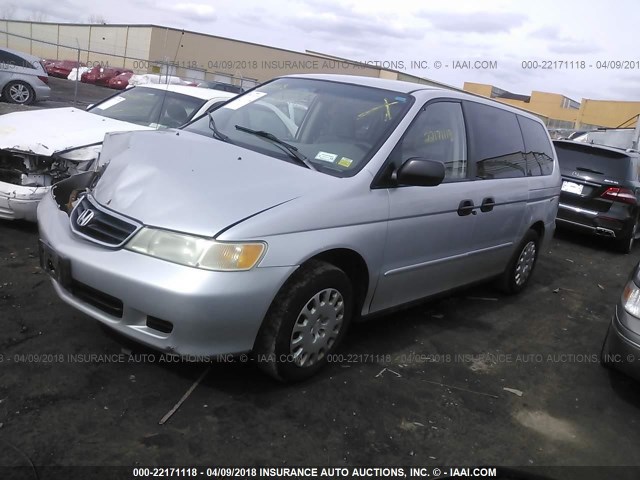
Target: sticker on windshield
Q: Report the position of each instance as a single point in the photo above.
(326, 157)
(110, 103)
(245, 100)
(345, 162)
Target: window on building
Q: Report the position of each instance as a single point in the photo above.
(568, 103)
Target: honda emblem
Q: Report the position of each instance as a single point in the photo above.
(85, 217)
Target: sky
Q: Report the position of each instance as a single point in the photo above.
(553, 46)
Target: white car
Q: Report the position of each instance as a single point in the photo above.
(41, 147)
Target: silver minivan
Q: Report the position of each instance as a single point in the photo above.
(236, 234)
(23, 78)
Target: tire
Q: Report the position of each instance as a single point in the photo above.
(19, 92)
(518, 272)
(625, 244)
(318, 294)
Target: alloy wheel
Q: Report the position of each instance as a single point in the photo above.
(19, 93)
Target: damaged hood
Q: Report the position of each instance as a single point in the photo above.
(49, 131)
(190, 183)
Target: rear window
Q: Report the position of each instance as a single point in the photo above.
(587, 159)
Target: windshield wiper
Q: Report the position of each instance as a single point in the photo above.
(290, 149)
(216, 133)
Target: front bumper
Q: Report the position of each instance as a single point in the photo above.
(212, 313)
(622, 344)
(20, 203)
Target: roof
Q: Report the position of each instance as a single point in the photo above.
(26, 56)
(585, 147)
(387, 84)
(198, 92)
(408, 87)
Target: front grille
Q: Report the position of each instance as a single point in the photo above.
(100, 225)
(100, 300)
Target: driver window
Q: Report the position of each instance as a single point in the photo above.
(437, 133)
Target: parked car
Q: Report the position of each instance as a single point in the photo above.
(120, 82)
(237, 235)
(225, 87)
(61, 68)
(102, 75)
(23, 78)
(621, 347)
(39, 148)
(600, 191)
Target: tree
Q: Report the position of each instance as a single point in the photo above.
(97, 18)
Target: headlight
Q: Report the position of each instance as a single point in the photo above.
(631, 299)
(82, 154)
(195, 251)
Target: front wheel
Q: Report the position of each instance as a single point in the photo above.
(518, 272)
(305, 323)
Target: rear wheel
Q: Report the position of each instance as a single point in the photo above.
(625, 244)
(19, 92)
(305, 323)
(518, 272)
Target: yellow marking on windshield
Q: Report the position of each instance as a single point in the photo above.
(386, 105)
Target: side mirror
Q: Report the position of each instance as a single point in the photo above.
(420, 172)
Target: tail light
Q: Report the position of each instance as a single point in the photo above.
(43, 78)
(617, 194)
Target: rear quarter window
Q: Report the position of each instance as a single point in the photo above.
(495, 142)
(539, 153)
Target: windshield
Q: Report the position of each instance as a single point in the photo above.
(610, 138)
(336, 126)
(150, 107)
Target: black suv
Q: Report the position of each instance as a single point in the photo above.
(600, 191)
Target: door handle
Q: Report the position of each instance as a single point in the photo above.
(466, 207)
(487, 204)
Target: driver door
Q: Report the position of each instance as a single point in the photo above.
(429, 230)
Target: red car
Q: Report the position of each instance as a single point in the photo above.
(120, 82)
(61, 68)
(102, 75)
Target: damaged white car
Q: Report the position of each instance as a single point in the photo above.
(41, 147)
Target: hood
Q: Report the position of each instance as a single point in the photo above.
(190, 183)
(48, 131)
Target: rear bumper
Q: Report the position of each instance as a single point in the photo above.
(43, 92)
(615, 223)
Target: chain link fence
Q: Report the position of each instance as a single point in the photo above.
(61, 46)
